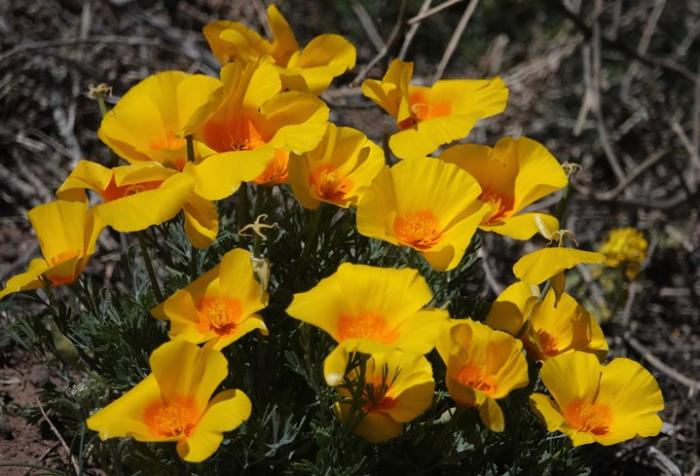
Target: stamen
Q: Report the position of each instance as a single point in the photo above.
(176, 419)
(588, 417)
(474, 376)
(220, 315)
(366, 325)
(419, 229)
(329, 184)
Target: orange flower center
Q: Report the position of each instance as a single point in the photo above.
(419, 229)
(62, 257)
(548, 343)
(366, 325)
(423, 109)
(329, 184)
(239, 134)
(276, 169)
(587, 417)
(170, 142)
(220, 315)
(114, 191)
(475, 376)
(502, 206)
(176, 419)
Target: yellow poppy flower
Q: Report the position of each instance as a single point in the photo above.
(252, 127)
(398, 387)
(134, 197)
(607, 404)
(337, 171)
(426, 204)
(541, 265)
(512, 308)
(309, 69)
(626, 248)
(147, 123)
(220, 306)
(370, 310)
(513, 175)
(555, 328)
(174, 403)
(483, 365)
(429, 117)
(67, 233)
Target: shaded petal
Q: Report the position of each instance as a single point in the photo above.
(26, 281)
(525, 225)
(511, 308)
(492, 415)
(201, 221)
(284, 43)
(545, 409)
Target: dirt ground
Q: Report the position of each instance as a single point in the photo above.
(614, 88)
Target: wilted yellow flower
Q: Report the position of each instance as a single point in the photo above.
(174, 403)
(426, 204)
(541, 265)
(398, 388)
(220, 306)
(626, 248)
(429, 117)
(370, 310)
(148, 121)
(512, 175)
(67, 233)
(252, 127)
(512, 308)
(337, 171)
(137, 196)
(483, 365)
(607, 404)
(310, 69)
(555, 328)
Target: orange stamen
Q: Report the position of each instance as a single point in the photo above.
(114, 191)
(587, 417)
(220, 315)
(548, 343)
(474, 376)
(419, 229)
(170, 142)
(329, 184)
(366, 325)
(175, 419)
(502, 206)
(276, 170)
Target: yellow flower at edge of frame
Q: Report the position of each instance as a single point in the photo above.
(337, 171)
(398, 388)
(370, 310)
(252, 127)
(174, 403)
(67, 233)
(513, 174)
(143, 194)
(590, 402)
(426, 204)
(557, 327)
(148, 121)
(483, 365)
(540, 265)
(220, 306)
(428, 117)
(309, 69)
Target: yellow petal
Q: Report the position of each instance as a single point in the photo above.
(571, 376)
(250, 324)
(61, 227)
(201, 221)
(391, 93)
(540, 265)
(26, 281)
(492, 415)
(545, 409)
(427, 136)
(539, 172)
(335, 363)
(85, 176)
(487, 97)
(324, 58)
(524, 226)
(230, 40)
(152, 207)
(512, 307)
(125, 416)
(284, 42)
(295, 121)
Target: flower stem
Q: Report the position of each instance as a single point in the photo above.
(311, 231)
(242, 206)
(190, 148)
(149, 268)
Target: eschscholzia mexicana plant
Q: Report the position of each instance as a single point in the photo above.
(252, 126)
(370, 310)
(431, 116)
(483, 365)
(220, 306)
(513, 174)
(625, 248)
(337, 171)
(558, 327)
(512, 308)
(174, 403)
(397, 388)
(426, 204)
(67, 233)
(606, 404)
(309, 69)
(134, 197)
(147, 123)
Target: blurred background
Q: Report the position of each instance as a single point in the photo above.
(610, 85)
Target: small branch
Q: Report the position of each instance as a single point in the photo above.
(58, 435)
(412, 31)
(368, 25)
(454, 41)
(427, 13)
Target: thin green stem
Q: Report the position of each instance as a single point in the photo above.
(563, 204)
(149, 268)
(242, 207)
(190, 148)
(311, 231)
